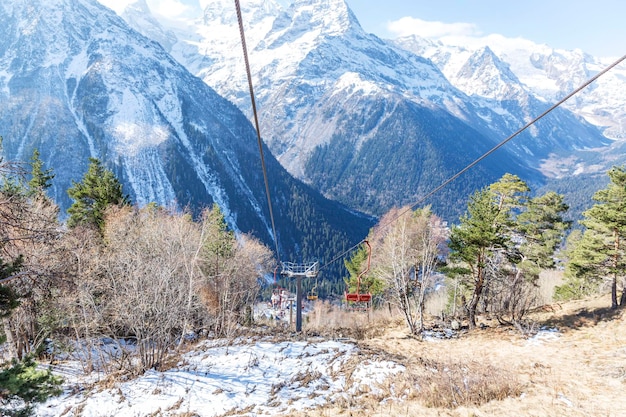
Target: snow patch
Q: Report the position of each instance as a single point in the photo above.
(545, 334)
(220, 376)
(131, 137)
(352, 83)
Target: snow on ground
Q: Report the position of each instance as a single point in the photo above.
(242, 377)
(545, 334)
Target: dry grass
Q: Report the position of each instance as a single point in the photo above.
(548, 281)
(330, 320)
(451, 385)
(497, 372)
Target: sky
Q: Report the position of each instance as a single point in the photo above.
(597, 27)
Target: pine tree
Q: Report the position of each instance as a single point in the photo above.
(479, 234)
(355, 265)
(9, 300)
(602, 251)
(585, 264)
(221, 242)
(542, 228)
(22, 385)
(40, 178)
(502, 243)
(98, 190)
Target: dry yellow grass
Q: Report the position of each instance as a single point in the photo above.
(582, 372)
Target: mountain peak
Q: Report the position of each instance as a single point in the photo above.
(309, 19)
(335, 15)
(485, 75)
(76, 82)
(139, 16)
(138, 6)
(224, 12)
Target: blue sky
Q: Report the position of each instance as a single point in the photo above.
(597, 27)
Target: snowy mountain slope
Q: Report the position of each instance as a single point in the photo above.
(138, 14)
(549, 74)
(78, 82)
(318, 76)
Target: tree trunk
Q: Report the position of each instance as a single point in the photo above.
(420, 310)
(405, 306)
(615, 263)
(11, 338)
(474, 302)
(614, 293)
(478, 289)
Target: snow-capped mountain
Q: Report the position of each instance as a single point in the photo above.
(76, 82)
(138, 14)
(366, 121)
(547, 73)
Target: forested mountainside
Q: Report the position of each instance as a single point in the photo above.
(360, 120)
(77, 82)
(329, 93)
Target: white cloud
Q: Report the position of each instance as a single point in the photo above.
(170, 8)
(412, 26)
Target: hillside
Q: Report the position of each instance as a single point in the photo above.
(574, 366)
(362, 120)
(78, 82)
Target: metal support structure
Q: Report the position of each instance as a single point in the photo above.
(299, 271)
(308, 270)
(298, 303)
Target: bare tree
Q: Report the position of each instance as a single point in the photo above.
(430, 239)
(407, 249)
(151, 271)
(29, 232)
(86, 296)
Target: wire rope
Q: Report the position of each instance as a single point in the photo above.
(256, 125)
(480, 158)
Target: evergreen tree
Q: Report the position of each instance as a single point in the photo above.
(472, 242)
(542, 227)
(22, 385)
(601, 252)
(355, 265)
(40, 178)
(584, 266)
(510, 194)
(98, 190)
(9, 300)
(503, 242)
(220, 242)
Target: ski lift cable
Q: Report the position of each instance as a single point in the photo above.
(256, 124)
(480, 158)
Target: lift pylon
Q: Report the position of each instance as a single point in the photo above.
(299, 271)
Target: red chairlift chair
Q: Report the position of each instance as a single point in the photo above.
(358, 296)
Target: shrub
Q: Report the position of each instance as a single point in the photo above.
(22, 385)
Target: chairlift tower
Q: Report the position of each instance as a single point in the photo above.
(299, 271)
